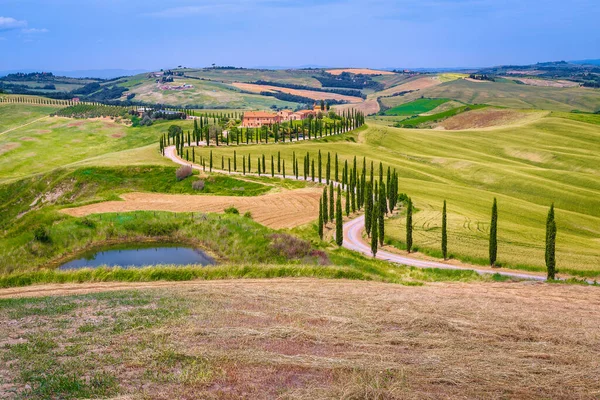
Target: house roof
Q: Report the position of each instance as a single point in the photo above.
(259, 114)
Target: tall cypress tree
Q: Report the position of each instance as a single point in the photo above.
(551, 244)
(382, 209)
(331, 202)
(320, 167)
(374, 230)
(325, 206)
(320, 223)
(494, 234)
(444, 234)
(347, 203)
(409, 227)
(368, 209)
(339, 227)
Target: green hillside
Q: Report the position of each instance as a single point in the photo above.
(526, 167)
(507, 94)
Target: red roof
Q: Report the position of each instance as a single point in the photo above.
(259, 114)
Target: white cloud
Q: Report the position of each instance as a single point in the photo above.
(33, 31)
(8, 23)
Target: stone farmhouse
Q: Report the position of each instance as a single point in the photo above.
(256, 119)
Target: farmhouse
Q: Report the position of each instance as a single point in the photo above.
(256, 119)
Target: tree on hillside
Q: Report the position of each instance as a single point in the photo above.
(444, 234)
(374, 229)
(331, 209)
(381, 214)
(409, 226)
(339, 228)
(325, 205)
(368, 209)
(320, 223)
(494, 234)
(551, 244)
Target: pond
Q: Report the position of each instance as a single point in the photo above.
(138, 255)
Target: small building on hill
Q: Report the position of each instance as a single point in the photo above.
(256, 119)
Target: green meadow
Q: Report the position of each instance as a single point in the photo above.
(416, 107)
(525, 167)
(507, 94)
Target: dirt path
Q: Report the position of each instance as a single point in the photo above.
(21, 126)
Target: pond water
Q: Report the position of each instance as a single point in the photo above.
(136, 256)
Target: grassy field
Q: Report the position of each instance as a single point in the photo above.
(416, 107)
(57, 142)
(526, 167)
(14, 115)
(426, 121)
(300, 339)
(507, 94)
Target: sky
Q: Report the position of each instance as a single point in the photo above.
(73, 35)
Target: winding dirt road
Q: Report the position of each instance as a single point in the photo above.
(353, 237)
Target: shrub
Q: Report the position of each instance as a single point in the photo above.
(183, 172)
(289, 246)
(41, 234)
(248, 215)
(232, 210)
(198, 185)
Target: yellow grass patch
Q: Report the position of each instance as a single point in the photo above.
(285, 209)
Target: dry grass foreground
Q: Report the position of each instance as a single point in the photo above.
(320, 339)
(284, 209)
(311, 94)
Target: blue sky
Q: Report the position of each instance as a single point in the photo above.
(152, 34)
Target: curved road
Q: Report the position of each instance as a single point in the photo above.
(353, 236)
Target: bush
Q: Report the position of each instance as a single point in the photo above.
(248, 215)
(198, 185)
(232, 210)
(41, 234)
(183, 172)
(289, 246)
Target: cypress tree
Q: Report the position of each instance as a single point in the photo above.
(211, 161)
(283, 169)
(444, 234)
(409, 227)
(382, 208)
(331, 209)
(551, 244)
(325, 205)
(374, 239)
(234, 161)
(272, 167)
(368, 209)
(336, 168)
(328, 168)
(320, 223)
(339, 228)
(347, 203)
(320, 167)
(278, 162)
(494, 234)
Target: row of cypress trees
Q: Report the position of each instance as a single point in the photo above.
(550, 250)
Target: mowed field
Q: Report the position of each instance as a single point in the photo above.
(527, 167)
(299, 339)
(277, 210)
(507, 94)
